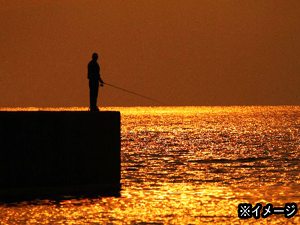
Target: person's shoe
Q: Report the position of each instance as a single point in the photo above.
(96, 109)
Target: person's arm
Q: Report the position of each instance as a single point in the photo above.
(101, 81)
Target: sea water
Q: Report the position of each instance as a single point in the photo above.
(189, 165)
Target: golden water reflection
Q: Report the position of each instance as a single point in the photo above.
(189, 165)
(167, 203)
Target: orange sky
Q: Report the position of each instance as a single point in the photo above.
(187, 52)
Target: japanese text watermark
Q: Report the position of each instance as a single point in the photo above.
(246, 211)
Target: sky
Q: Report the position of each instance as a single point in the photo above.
(181, 52)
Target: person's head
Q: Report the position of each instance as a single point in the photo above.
(95, 56)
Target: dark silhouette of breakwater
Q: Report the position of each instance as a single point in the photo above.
(50, 154)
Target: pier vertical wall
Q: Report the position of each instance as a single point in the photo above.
(59, 153)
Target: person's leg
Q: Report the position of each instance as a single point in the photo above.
(91, 95)
(96, 92)
(94, 86)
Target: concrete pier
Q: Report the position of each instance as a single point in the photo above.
(52, 154)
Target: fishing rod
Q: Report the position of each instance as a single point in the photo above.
(135, 93)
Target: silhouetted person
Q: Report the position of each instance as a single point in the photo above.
(94, 79)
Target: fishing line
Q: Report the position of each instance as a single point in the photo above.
(135, 93)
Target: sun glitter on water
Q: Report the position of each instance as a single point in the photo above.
(189, 165)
